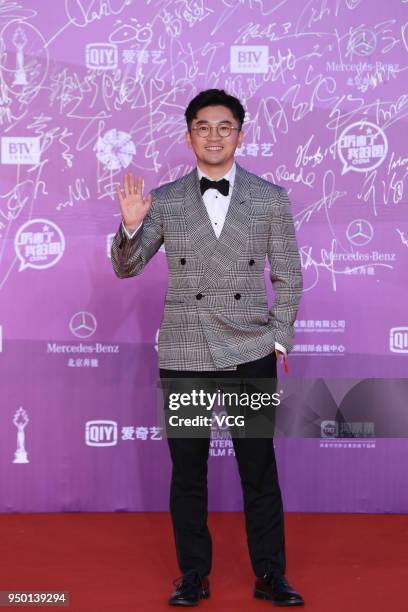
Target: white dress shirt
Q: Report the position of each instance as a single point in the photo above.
(216, 203)
(217, 208)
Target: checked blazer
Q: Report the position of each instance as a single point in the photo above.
(216, 312)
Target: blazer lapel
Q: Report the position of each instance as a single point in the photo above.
(199, 229)
(223, 252)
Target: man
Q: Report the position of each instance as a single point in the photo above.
(218, 222)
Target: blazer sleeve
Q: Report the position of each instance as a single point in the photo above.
(130, 255)
(285, 272)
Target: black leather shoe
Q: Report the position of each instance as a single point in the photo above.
(275, 588)
(190, 589)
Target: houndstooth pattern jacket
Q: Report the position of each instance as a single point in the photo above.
(216, 312)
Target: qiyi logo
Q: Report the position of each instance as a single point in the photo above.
(399, 340)
(249, 58)
(101, 433)
(20, 150)
(101, 56)
(329, 429)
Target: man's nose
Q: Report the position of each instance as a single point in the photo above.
(213, 135)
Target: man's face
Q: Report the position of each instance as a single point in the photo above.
(215, 154)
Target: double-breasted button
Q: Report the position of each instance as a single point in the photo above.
(182, 261)
(251, 262)
(237, 296)
(199, 296)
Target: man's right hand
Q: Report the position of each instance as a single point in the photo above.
(133, 206)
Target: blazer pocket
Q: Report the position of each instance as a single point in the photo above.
(253, 312)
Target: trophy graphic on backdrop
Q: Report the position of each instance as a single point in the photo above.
(20, 421)
(20, 41)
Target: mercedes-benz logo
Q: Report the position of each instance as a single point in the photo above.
(359, 232)
(362, 42)
(83, 324)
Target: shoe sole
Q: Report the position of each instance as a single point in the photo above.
(262, 595)
(204, 595)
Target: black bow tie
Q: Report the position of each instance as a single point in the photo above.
(222, 185)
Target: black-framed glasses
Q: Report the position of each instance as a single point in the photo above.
(223, 130)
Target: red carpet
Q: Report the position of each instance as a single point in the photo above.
(126, 562)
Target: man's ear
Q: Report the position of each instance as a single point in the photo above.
(188, 139)
(240, 138)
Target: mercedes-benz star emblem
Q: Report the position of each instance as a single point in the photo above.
(83, 324)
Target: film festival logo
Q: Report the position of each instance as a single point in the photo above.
(19, 41)
(362, 146)
(21, 420)
(25, 58)
(39, 244)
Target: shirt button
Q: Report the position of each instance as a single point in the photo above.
(182, 261)
(199, 296)
(237, 296)
(251, 262)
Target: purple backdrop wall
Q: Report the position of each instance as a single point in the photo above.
(89, 90)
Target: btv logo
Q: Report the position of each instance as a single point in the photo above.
(20, 150)
(249, 58)
(399, 339)
(101, 433)
(101, 56)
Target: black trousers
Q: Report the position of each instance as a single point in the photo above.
(263, 508)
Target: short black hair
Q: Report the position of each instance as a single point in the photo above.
(214, 97)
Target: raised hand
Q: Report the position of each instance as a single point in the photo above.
(133, 206)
